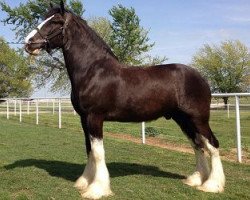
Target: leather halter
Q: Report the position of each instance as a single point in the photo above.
(46, 39)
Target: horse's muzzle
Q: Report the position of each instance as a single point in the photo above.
(34, 52)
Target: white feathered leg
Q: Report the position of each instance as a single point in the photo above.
(88, 175)
(201, 171)
(97, 175)
(216, 180)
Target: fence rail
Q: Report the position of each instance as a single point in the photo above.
(20, 106)
(237, 110)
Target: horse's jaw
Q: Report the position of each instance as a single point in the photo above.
(33, 52)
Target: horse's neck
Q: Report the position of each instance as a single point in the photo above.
(80, 54)
(80, 58)
(80, 48)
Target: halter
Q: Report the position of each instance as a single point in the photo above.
(46, 39)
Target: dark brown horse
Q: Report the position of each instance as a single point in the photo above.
(105, 90)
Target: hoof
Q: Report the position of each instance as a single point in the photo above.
(211, 186)
(81, 183)
(194, 180)
(96, 191)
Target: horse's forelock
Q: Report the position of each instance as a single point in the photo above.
(52, 11)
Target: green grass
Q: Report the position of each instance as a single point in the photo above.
(42, 162)
(223, 127)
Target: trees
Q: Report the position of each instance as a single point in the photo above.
(129, 40)
(25, 18)
(226, 66)
(15, 75)
(102, 26)
(28, 15)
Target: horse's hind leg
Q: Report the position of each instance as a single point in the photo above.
(216, 179)
(202, 171)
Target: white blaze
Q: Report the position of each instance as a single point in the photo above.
(32, 33)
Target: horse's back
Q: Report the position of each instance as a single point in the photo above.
(178, 78)
(151, 92)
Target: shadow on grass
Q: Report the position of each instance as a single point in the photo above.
(71, 171)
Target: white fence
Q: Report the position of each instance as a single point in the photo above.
(237, 111)
(26, 106)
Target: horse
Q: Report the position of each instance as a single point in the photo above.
(103, 89)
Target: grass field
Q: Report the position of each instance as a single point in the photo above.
(42, 162)
(223, 127)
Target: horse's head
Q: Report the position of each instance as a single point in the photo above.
(49, 34)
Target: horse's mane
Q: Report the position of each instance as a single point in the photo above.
(90, 32)
(94, 36)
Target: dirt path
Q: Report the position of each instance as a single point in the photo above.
(157, 142)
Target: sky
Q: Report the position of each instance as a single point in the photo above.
(179, 28)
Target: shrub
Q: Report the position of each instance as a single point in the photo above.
(151, 131)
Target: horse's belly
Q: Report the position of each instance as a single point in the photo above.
(138, 114)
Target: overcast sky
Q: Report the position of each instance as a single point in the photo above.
(178, 27)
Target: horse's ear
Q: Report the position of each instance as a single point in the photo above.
(51, 5)
(62, 7)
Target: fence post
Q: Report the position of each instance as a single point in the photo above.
(143, 132)
(15, 107)
(28, 107)
(60, 114)
(37, 112)
(228, 105)
(237, 107)
(7, 111)
(53, 109)
(20, 110)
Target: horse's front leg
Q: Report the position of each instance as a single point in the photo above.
(95, 180)
(84, 180)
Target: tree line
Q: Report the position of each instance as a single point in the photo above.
(226, 66)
